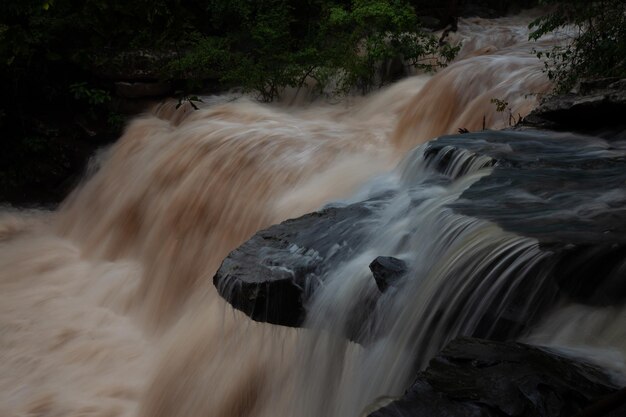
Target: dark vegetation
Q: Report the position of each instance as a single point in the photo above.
(597, 40)
(60, 60)
(64, 63)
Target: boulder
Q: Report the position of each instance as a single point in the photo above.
(272, 275)
(474, 377)
(387, 270)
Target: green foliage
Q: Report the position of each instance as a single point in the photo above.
(267, 46)
(59, 58)
(115, 121)
(54, 46)
(373, 32)
(93, 96)
(596, 47)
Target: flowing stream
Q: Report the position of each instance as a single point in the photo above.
(107, 306)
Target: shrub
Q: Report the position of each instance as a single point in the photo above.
(266, 46)
(596, 40)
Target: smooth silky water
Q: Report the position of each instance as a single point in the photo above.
(107, 306)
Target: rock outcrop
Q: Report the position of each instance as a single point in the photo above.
(597, 108)
(563, 190)
(272, 275)
(473, 377)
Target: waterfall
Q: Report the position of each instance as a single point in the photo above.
(107, 305)
(462, 270)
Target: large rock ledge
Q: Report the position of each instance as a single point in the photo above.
(473, 377)
(565, 191)
(271, 276)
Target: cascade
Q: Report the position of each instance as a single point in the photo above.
(107, 304)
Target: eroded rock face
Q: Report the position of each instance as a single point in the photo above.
(473, 377)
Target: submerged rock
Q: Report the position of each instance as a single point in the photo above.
(473, 377)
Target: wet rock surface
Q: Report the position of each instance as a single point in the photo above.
(566, 191)
(553, 187)
(473, 377)
(272, 275)
(598, 107)
(387, 270)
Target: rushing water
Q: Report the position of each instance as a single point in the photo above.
(107, 306)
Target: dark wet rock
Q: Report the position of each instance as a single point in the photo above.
(553, 187)
(613, 405)
(616, 412)
(133, 106)
(272, 275)
(597, 107)
(473, 377)
(387, 270)
(564, 190)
